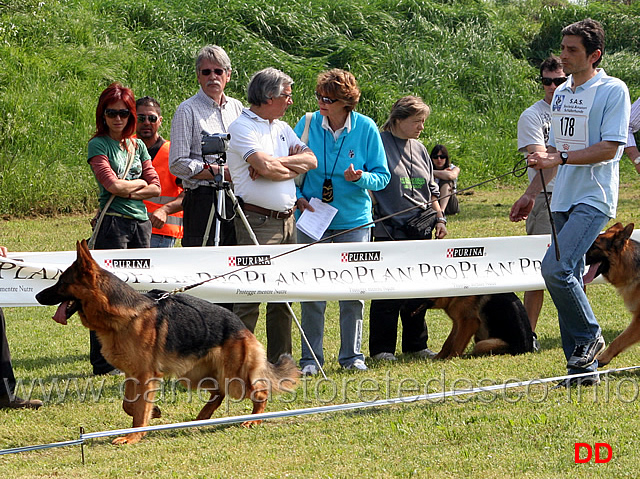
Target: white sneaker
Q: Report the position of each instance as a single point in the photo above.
(384, 357)
(357, 365)
(426, 353)
(309, 370)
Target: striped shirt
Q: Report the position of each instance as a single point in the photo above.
(194, 116)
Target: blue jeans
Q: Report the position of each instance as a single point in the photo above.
(162, 241)
(577, 229)
(351, 313)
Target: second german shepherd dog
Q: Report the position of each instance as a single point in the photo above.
(203, 345)
(499, 323)
(616, 256)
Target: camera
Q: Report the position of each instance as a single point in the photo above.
(214, 143)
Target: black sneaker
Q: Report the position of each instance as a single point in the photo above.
(585, 354)
(581, 381)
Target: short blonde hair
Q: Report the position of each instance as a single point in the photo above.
(404, 108)
(340, 85)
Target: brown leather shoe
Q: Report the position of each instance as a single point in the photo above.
(19, 403)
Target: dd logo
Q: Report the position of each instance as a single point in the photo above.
(597, 446)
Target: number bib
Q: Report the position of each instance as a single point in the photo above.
(570, 118)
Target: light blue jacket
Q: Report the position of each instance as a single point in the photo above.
(361, 147)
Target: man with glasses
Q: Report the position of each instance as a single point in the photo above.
(165, 211)
(589, 123)
(533, 135)
(265, 156)
(208, 111)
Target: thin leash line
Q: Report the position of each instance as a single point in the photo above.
(423, 205)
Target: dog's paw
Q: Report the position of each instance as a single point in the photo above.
(132, 438)
(250, 424)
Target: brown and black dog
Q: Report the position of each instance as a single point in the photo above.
(203, 345)
(499, 323)
(616, 256)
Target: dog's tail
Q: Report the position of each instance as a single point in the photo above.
(283, 375)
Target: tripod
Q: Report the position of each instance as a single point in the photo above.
(217, 211)
(223, 189)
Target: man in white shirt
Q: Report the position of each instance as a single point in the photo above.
(533, 135)
(264, 157)
(631, 148)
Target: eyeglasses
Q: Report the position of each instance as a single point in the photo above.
(546, 81)
(111, 113)
(207, 71)
(442, 157)
(325, 99)
(151, 118)
(289, 96)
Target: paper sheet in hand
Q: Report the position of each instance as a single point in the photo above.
(315, 223)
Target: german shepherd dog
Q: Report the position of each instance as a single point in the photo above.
(616, 256)
(202, 344)
(499, 323)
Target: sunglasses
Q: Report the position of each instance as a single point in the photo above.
(207, 71)
(325, 99)
(151, 118)
(111, 113)
(556, 81)
(442, 157)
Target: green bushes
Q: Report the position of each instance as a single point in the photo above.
(473, 61)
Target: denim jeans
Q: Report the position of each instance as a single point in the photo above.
(162, 241)
(351, 313)
(577, 229)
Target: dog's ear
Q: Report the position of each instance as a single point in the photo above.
(628, 231)
(84, 255)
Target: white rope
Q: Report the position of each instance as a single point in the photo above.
(313, 410)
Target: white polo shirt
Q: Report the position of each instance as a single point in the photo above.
(250, 134)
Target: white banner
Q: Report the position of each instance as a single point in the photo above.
(403, 269)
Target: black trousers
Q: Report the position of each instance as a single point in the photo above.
(197, 204)
(7, 379)
(383, 326)
(116, 233)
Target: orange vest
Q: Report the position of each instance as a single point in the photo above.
(169, 191)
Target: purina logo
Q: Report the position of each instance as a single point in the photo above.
(250, 260)
(128, 263)
(361, 256)
(465, 252)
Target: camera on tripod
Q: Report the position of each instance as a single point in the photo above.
(214, 143)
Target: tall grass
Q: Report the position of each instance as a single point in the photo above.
(473, 61)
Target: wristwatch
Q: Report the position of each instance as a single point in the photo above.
(564, 156)
(442, 220)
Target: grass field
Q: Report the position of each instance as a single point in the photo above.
(526, 432)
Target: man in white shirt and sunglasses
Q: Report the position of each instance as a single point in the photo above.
(533, 135)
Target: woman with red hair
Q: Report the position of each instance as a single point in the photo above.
(125, 175)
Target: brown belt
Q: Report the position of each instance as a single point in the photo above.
(279, 215)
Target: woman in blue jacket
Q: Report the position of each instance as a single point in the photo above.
(351, 161)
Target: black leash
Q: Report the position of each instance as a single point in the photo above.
(554, 233)
(516, 169)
